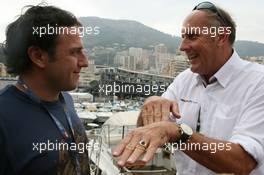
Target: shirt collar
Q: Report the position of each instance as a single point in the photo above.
(225, 73)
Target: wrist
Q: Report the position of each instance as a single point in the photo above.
(186, 132)
(152, 98)
(176, 132)
(173, 131)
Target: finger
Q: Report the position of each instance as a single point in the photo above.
(175, 110)
(129, 149)
(165, 111)
(140, 120)
(157, 108)
(138, 152)
(144, 116)
(150, 114)
(125, 155)
(122, 145)
(149, 153)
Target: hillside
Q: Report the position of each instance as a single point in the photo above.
(135, 34)
(249, 48)
(130, 33)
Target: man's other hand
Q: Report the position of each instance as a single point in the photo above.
(156, 109)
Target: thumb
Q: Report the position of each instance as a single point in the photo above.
(139, 120)
(175, 110)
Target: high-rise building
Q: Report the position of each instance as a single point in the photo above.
(88, 74)
(162, 57)
(120, 58)
(131, 62)
(133, 59)
(3, 72)
(178, 64)
(161, 48)
(136, 52)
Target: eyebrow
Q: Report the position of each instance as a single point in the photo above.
(76, 48)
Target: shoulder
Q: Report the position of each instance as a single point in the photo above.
(7, 94)
(4, 96)
(185, 77)
(186, 73)
(255, 68)
(66, 94)
(253, 72)
(68, 100)
(67, 97)
(5, 90)
(247, 66)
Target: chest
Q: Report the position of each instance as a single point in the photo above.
(216, 108)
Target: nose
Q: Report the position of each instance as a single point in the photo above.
(83, 61)
(185, 45)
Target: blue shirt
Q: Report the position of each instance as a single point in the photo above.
(25, 127)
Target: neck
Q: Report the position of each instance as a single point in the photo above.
(40, 87)
(224, 55)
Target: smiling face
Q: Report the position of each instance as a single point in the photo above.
(63, 73)
(201, 49)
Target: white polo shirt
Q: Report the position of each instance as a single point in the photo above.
(231, 108)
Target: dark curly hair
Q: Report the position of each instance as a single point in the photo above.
(20, 35)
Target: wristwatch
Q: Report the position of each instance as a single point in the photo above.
(186, 132)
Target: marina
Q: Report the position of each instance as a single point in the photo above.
(106, 125)
(109, 135)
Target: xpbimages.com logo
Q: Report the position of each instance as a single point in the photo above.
(211, 31)
(146, 89)
(59, 30)
(211, 147)
(62, 146)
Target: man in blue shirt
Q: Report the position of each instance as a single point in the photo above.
(40, 132)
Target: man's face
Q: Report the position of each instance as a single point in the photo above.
(63, 73)
(201, 49)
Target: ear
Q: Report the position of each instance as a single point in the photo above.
(222, 37)
(38, 57)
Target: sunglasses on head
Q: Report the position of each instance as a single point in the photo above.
(210, 6)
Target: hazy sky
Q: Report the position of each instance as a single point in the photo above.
(164, 15)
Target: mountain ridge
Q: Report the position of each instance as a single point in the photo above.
(136, 34)
(131, 33)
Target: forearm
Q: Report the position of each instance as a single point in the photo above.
(230, 158)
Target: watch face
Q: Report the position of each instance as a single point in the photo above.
(186, 129)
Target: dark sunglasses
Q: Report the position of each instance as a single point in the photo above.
(210, 6)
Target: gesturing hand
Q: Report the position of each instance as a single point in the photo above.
(156, 109)
(145, 140)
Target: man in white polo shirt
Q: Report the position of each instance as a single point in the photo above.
(219, 103)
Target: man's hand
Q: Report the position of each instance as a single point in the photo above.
(156, 109)
(145, 140)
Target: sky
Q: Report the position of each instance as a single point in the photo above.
(164, 15)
